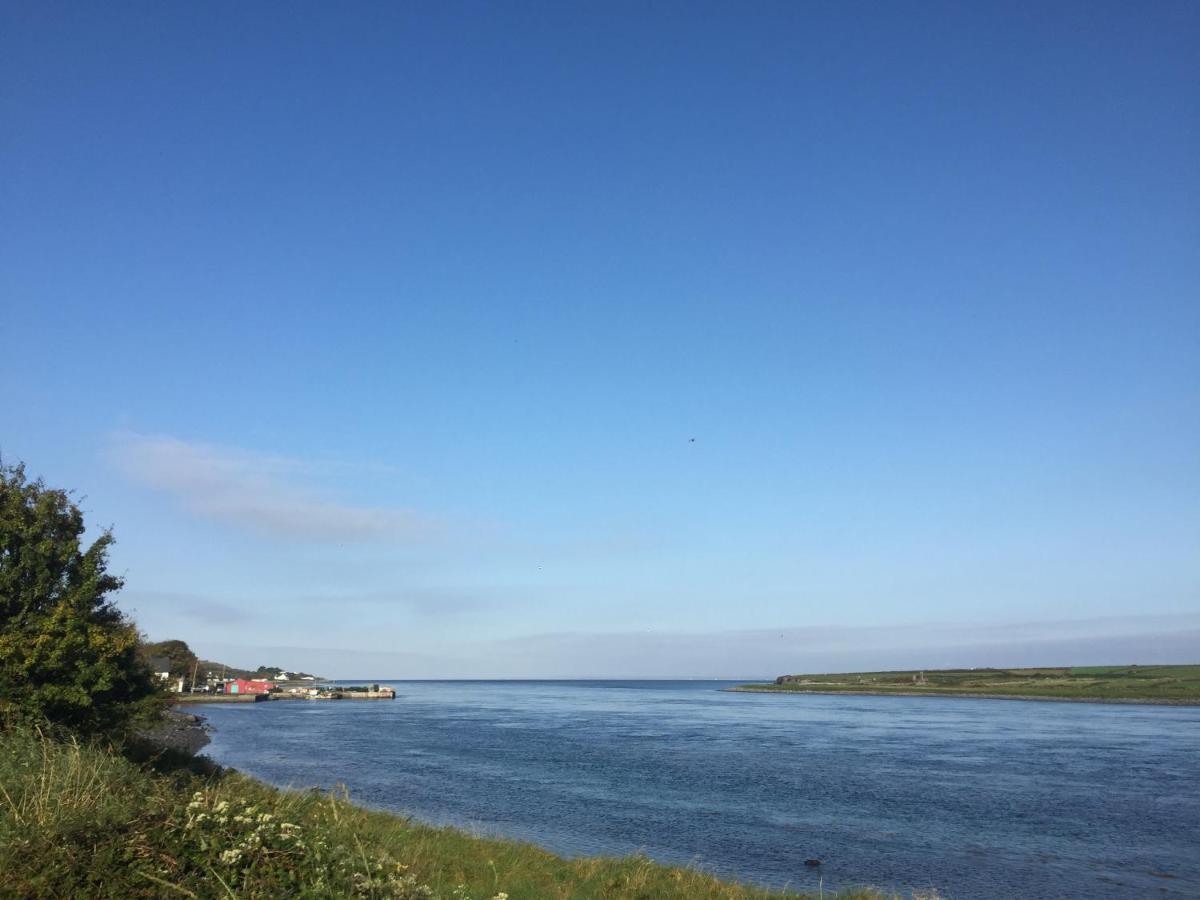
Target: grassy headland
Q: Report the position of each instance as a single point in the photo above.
(1100, 684)
(79, 820)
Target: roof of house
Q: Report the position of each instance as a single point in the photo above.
(160, 664)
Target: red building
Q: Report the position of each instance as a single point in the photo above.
(247, 687)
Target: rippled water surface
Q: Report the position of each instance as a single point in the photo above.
(978, 798)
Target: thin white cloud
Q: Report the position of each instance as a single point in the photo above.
(751, 653)
(789, 650)
(178, 611)
(270, 495)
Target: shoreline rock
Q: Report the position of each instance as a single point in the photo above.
(179, 731)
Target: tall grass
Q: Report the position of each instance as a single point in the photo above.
(79, 820)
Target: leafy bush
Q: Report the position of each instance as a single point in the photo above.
(181, 660)
(67, 654)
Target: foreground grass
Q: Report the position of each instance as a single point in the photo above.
(1149, 684)
(81, 821)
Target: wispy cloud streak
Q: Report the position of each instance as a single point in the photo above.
(761, 653)
(269, 495)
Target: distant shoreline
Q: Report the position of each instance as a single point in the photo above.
(960, 695)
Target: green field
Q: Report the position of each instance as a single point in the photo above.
(1143, 684)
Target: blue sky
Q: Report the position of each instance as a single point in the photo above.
(588, 339)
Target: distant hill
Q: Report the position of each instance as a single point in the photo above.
(269, 673)
(183, 662)
(1127, 684)
(211, 667)
(274, 671)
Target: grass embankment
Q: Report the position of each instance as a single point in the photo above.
(1143, 684)
(79, 821)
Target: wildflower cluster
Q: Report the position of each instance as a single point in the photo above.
(239, 834)
(251, 843)
(462, 892)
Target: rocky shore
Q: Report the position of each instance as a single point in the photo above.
(179, 731)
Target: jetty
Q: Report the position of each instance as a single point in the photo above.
(320, 692)
(374, 692)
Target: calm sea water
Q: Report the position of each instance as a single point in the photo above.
(978, 798)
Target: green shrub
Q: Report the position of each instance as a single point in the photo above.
(67, 654)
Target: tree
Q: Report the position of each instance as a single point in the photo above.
(178, 654)
(67, 654)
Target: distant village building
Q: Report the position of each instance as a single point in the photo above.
(161, 667)
(242, 686)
